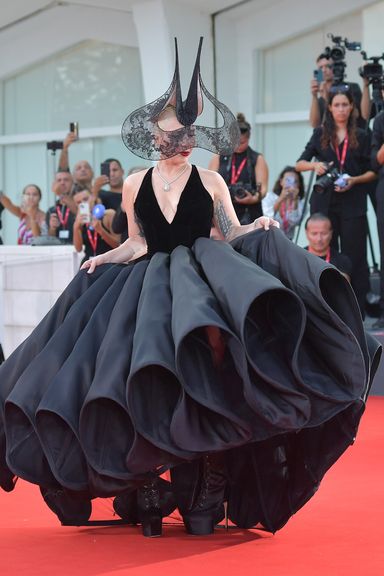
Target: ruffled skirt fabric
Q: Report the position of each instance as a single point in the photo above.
(256, 350)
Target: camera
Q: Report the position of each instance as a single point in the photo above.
(326, 181)
(373, 72)
(54, 145)
(239, 190)
(337, 54)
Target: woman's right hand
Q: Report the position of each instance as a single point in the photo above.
(90, 265)
(320, 168)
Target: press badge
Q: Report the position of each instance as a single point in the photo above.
(63, 234)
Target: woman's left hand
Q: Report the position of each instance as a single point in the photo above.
(248, 198)
(348, 186)
(265, 222)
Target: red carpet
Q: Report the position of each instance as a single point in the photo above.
(339, 533)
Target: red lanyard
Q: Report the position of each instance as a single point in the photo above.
(327, 255)
(92, 239)
(236, 173)
(286, 207)
(63, 221)
(343, 153)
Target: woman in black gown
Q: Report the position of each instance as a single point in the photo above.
(242, 368)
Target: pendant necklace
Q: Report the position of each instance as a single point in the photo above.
(167, 184)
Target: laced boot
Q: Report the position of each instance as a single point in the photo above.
(199, 489)
(126, 504)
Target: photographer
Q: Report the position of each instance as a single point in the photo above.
(246, 174)
(92, 233)
(113, 176)
(377, 160)
(60, 217)
(318, 230)
(286, 202)
(342, 149)
(31, 217)
(324, 82)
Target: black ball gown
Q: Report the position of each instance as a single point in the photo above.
(121, 379)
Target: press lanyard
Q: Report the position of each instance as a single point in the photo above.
(343, 153)
(284, 209)
(92, 240)
(327, 255)
(236, 173)
(63, 220)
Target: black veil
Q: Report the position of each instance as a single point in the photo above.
(142, 133)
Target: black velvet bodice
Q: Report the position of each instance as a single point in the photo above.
(193, 218)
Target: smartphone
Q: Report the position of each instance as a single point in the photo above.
(318, 75)
(85, 212)
(74, 127)
(290, 181)
(104, 169)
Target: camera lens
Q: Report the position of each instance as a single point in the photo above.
(337, 53)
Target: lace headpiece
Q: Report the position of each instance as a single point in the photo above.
(144, 130)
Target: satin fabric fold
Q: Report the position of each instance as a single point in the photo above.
(256, 350)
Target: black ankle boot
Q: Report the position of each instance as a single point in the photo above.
(72, 509)
(131, 505)
(199, 489)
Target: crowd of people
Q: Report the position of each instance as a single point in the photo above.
(341, 143)
(85, 214)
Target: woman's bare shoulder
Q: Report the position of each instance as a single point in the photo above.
(212, 181)
(209, 175)
(136, 177)
(133, 182)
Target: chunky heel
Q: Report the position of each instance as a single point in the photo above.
(152, 523)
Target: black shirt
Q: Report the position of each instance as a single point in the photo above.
(246, 213)
(339, 260)
(110, 199)
(63, 232)
(353, 202)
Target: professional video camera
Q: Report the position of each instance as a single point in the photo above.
(373, 72)
(337, 53)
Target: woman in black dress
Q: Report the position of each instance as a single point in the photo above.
(338, 145)
(198, 356)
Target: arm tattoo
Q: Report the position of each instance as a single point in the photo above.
(225, 223)
(137, 221)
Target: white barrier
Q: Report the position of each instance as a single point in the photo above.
(31, 279)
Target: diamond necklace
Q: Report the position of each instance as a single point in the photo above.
(167, 184)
